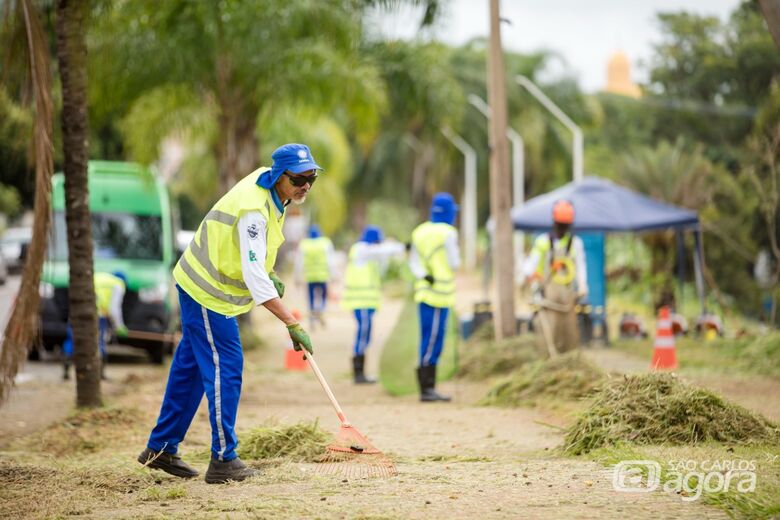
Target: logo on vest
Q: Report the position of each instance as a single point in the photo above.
(253, 231)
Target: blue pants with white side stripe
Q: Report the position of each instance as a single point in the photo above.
(364, 318)
(433, 327)
(208, 359)
(318, 296)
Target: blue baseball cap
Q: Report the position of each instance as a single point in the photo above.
(293, 157)
(314, 231)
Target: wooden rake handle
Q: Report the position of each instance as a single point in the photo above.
(328, 392)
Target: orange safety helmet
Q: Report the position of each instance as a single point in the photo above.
(563, 212)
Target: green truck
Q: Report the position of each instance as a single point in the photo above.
(133, 229)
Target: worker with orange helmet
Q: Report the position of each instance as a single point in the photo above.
(557, 268)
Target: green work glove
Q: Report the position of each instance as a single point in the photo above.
(121, 332)
(300, 338)
(278, 284)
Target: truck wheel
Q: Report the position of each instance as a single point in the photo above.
(157, 353)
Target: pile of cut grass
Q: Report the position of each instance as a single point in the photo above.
(661, 409)
(86, 431)
(567, 377)
(301, 442)
(483, 358)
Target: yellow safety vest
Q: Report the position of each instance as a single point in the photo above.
(210, 268)
(315, 259)
(563, 253)
(362, 284)
(429, 240)
(105, 284)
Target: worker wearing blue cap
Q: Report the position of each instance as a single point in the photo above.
(433, 259)
(313, 264)
(226, 270)
(368, 259)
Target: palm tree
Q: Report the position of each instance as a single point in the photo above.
(234, 64)
(25, 34)
(72, 57)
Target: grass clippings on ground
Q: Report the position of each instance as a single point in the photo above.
(482, 358)
(85, 431)
(567, 377)
(658, 409)
(300, 442)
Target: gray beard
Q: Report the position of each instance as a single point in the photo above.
(300, 200)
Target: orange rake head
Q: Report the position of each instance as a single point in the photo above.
(352, 455)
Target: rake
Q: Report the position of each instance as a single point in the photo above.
(350, 454)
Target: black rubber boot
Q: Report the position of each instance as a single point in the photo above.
(426, 376)
(103, 364)
(358, 365)
(221, 472)
(168, 463)
(66, 371)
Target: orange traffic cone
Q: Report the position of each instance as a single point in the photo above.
(294, 360)
(664, 353)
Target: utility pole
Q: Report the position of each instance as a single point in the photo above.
(500, 185)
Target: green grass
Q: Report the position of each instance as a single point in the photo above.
(750, 355)
(400, 354)
(762, 503)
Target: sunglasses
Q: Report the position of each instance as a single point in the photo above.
(300, 180)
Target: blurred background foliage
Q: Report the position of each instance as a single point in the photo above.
(227, 82)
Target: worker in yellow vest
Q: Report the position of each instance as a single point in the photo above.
(557, 269)
(314, 265)
(227, 270)
(109, 295)
(433, 259)
(368, 260)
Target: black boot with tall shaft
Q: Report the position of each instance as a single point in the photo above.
(426, 377)
(358, 366)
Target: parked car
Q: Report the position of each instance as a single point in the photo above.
(133, 232)
(13, 246)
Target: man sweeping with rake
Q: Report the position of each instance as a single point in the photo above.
(226, 270)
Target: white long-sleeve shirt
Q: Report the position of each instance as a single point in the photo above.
(453, 256)
(115, 306)
(577, 251)
(253, 250)
(380, 253)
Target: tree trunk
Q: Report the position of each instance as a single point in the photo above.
(771, 9)
(72, 56)
(22, 326)
(237, 147)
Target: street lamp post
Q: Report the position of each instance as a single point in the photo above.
(578, 143)
(469, 201)
(518, 170)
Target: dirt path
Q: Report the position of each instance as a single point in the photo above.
(455, 460)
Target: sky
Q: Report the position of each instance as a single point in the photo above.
(585, 32)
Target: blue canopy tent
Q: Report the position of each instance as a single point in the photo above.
(604, 207)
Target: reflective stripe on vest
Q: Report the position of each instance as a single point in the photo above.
(362, 284)
(210, 269)
(105, 284)
(429, 240)
(315, 259)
